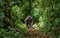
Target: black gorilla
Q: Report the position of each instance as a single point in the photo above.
(29, 21)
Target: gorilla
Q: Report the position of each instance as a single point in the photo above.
(29, 21)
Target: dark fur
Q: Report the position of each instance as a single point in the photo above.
(29, 21)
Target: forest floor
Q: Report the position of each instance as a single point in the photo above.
(34, 34)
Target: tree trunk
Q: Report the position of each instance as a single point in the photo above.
(7, 12)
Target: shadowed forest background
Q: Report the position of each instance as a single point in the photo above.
(45, 14)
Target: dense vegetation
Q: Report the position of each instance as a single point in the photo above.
(46, 15)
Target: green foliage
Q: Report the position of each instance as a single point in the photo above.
(45, 13)
(57, 21)
(1, 18)
(13, 33)
(16, 12)
(59, 35)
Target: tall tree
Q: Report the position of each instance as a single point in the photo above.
(7, 11)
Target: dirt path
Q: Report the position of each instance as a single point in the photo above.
(34, 34)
